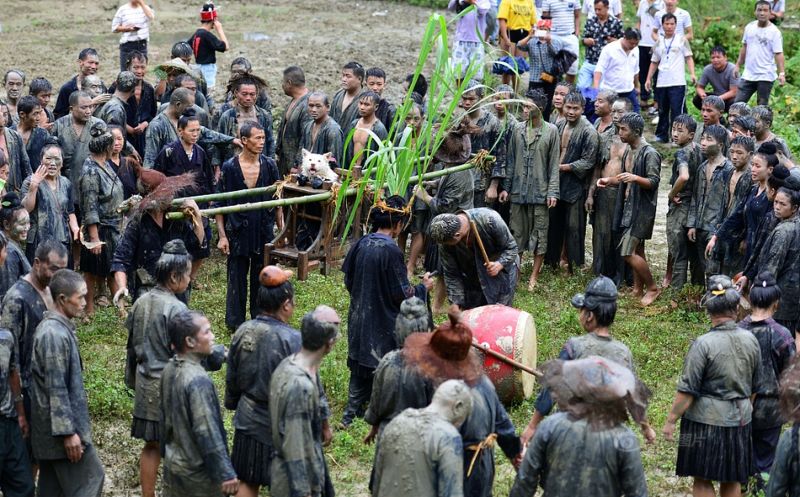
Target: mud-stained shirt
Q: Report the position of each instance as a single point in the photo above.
(636, 206)
(101, 193)
(298, 467)
(487, 416)
(59, 405)
(23, 310)
(74, 148)
(50, 216)
(780, 255)
(777, 351)
(784, 476)
(709, 198)
(290, 132)
(161, 131)
(376, 278)
(490, 137)
(344, 117)
(19, 167)
(569, 458)
(194, 444)
(395, 388)
(420, 455)
(329, 139)
(721, 371)
(8, 363)
(229, 124)
(532, 163)
(580, 155)
(16, 265)
(114, 113)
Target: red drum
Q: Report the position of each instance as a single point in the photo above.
(511, 332)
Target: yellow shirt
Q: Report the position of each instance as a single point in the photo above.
(519, 14)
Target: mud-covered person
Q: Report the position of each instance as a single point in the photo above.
(61, 433)
(595, 396)
(635, 212)
(364, 143)
(257, 348)
(471, 279)
(290, 129)
(42, 89)
(579, 143)
(149, 350)
(344, 106)
(684, 174)
(488, 136)
(194, 444)
(376, 81)
(322, 134)
(296, 413)
(531, 183)
(244, 110)
(242, 235)
(14, 424)
(23, 309)
(13, 81)
(597, 308)
(88, 63)
(29, 128)
(375, 276)
(600, 202)
(13, 148)
(422, 454)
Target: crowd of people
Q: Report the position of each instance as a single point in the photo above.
(88, 185)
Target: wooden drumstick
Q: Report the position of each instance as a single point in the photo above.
(474, 227)
(511, 362)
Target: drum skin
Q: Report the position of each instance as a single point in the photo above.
(511, 332)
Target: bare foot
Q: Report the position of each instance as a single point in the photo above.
(531, 284)
(650, 296)
(637, 292)
(666, 282)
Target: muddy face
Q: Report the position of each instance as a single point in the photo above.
(21, 226)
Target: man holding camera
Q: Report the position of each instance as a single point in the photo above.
(133, 21)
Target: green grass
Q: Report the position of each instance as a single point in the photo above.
(658, 337)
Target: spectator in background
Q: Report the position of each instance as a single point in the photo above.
(565, 17)
(671, 55)
(542, 49)
(723, 77)
(600, 29)
(646, 11)
(88, 63)
(133, 21)
(777, 9)
(614, 8)
(684, 21)
(516, 19)
(761, 54)
(618, 66)
(43, 91)
(205, 45)
(468, 44)
(13, 81)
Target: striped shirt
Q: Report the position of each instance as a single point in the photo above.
(562, 13)
(135, 16)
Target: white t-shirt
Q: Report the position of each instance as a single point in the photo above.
(671, 58)
(562, 13)
(762, 45)
(617, 67)
(128, 15)
(684, 21)
(778, 6)
(614, 8)
(647, 21)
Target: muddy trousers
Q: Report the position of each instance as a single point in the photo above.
(567, 226)
(242, 269)
(359, 392)
(678, 242)
(61, 478)
(606, 258)
(15, 468)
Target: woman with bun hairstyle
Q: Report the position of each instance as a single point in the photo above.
(101, 192)
(712, 402)
(777, 352)
(257, 348)
(149, 351)
(50, 199)
(780, 254)
(15, 224)
(185, 156)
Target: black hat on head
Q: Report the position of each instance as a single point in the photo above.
(600, 290)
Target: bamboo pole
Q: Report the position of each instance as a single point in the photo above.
(247, 192)
(511, 362)
(252, 206)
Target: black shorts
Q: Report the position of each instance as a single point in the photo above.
(516, 35)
